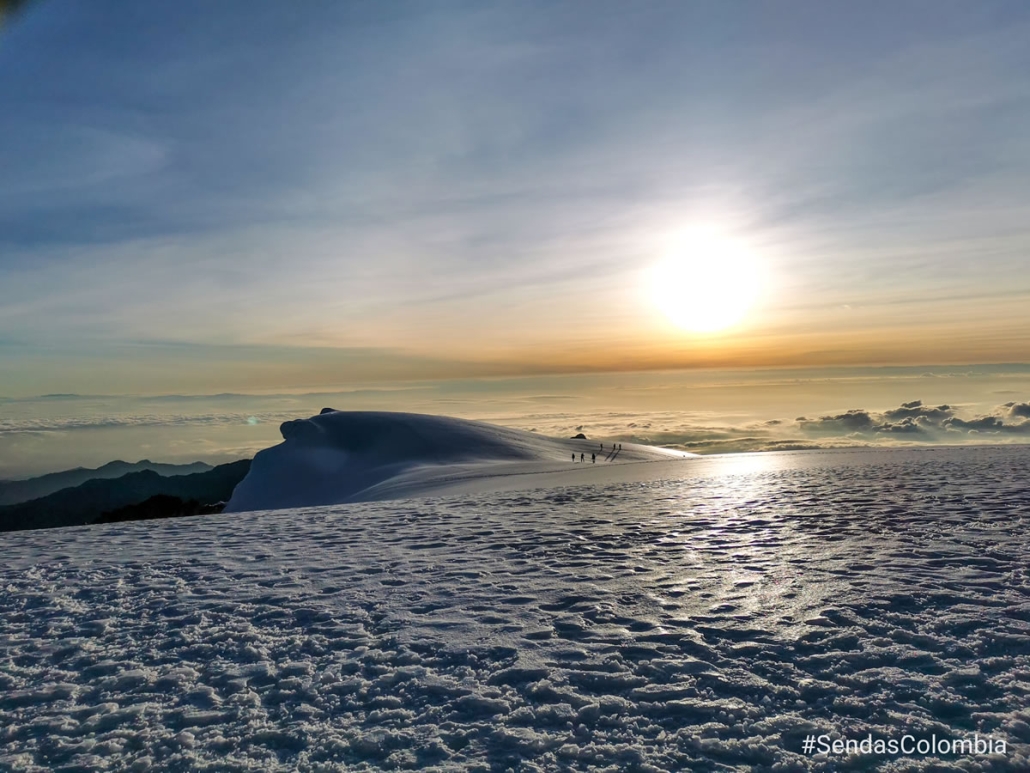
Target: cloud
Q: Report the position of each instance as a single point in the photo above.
(988, 424)
(1018, 410)
(496, 167)
(929, 423)
(916, 410)
(67, 424)
(903, 427)
(852, 421)
(908, 424)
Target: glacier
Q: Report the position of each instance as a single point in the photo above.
(358, 456)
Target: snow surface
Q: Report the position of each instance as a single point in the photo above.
(361, 456)
(699, 615)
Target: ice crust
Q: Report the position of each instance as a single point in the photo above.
(698, 616)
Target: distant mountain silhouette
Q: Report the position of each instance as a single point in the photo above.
(14, 491)
(88, 502)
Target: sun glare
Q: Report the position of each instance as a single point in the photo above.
(707, 283)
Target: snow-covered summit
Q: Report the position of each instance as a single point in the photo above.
(350, 456)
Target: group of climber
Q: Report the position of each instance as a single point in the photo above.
(616, 447)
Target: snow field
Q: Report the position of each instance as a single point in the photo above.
(691, 623)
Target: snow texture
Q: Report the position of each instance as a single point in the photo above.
(360, 456)
(691, 615)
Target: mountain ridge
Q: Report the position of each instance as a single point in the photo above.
(86, 503)
(14, 492)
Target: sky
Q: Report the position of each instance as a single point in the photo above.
(204, 198)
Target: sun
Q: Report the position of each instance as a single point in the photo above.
(707, 283)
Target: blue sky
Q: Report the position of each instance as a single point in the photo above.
(232, 196)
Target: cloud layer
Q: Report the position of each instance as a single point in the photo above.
(911, 423)
(64, 431)
(925, 423)
(70, 424)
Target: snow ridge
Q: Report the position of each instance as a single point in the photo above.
(352, 456)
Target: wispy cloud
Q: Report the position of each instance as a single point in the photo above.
(487, 184)
(68, 424)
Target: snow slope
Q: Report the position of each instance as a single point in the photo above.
(702, 616)
(359, 456)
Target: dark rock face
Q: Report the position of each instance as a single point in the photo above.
(160, 506)
(580, 436)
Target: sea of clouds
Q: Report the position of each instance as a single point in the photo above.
(44, 435)
(911, 423)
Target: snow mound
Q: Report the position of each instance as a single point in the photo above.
(353, 456)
